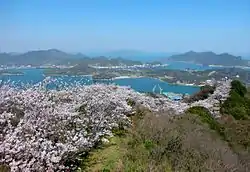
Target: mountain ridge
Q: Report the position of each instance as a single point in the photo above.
(57, 57)
(208, 58)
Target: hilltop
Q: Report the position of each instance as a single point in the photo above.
(209, 58)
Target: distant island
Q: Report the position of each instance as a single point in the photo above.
(199, 77)
(10, 72)
(172, 76)
(56, 63)
(208, 58)
(57, 57)
(128, 58)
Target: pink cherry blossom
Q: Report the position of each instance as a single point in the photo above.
(39, 128)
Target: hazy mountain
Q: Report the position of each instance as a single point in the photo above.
(54, 56)
(40, 57)
(207, 58)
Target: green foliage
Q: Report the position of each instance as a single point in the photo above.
(105, 170)
(234, 130)
(206, 117)
(237, 133)
(131, 102)
(106, 157)
(239, 88)
(139, 113)
(238, 112)
(120, 130)
(82, 109)
(4, 168)
(172, 144)
(238, 104)
(148, 144)
(204, 93)
(208, 88)
(181, 143)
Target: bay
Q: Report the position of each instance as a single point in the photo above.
(32, 76)
(147, 84)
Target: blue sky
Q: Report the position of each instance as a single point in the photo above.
(105, 25)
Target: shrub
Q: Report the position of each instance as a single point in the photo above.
(119, 131)
(208, 88)
(235, 132)
(176, 144)
(204, 93)
(233, 129)
(239, 87)
(237, 105)
(131, 102)
(4, 168)
(238, 112)
(206, 117)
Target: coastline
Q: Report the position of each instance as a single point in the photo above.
(184, 84)
(188, 62)
(126, 77)
(63, 75)
(222, 66)
(11, 74)
(114, 78)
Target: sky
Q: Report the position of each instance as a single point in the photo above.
(107, 25)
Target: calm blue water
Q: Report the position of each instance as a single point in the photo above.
(147, 85)
(192, 66)
(33, 76)
(183, 66)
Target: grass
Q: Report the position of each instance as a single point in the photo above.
(238, 104)
(207, 118)
(4, 168)
(236, 118)
(107, 157)
(231, 130)
(248, 93)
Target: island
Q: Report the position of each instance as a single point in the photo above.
(10, 72)
(58, 63)
(180, 77)
(208, 58)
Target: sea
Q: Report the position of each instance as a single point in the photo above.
(32, 76)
